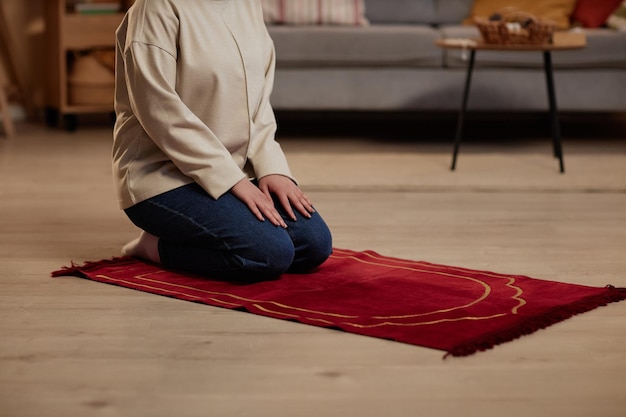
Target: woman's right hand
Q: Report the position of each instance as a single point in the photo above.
(259, 203)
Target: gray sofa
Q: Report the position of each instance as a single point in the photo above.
(393, 64)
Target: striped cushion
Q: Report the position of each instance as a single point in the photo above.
(315, 12)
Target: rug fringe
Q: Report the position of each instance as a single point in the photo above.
(531, 325)
(78, 270)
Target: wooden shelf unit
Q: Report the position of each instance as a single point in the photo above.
(66, 32)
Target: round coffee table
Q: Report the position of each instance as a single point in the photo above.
(561, 41)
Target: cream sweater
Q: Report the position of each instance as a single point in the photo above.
(193, 81)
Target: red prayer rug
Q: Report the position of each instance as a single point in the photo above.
(458, 310)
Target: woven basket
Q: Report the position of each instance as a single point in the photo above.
(515, 27)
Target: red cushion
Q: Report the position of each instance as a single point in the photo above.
(593, 13)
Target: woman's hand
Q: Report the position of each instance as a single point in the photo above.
(288, 193)
(259, 203)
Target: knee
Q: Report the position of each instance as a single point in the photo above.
(321, 248)
(314, 251)
(268, 261)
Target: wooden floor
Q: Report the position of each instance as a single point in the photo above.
(70, 347)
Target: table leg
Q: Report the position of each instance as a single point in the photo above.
(461, 119)
(554, 114)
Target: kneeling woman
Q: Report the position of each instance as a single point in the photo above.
(195, 159)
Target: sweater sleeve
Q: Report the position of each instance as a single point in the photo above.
(265, 154)
(191, 145)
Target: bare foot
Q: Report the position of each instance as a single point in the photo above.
(146, 246)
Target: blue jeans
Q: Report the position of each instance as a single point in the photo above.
(223, 239)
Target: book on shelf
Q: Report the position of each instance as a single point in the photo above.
(98, 7)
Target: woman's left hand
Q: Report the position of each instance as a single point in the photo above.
(288, 193)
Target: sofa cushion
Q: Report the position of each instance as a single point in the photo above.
(315, 12)
(594, 13)
(429, 12)
(605, 49)
(617, 20)
(400, 11)
(452, 11)
(340, 46)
